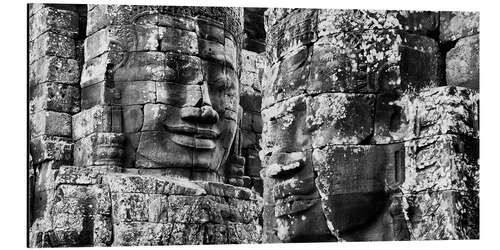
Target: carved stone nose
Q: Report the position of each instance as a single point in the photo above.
(209, 115)
(203, 111)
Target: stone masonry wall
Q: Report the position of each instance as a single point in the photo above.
(55, 43)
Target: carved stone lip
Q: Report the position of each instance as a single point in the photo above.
(193, 131)
(192, 136)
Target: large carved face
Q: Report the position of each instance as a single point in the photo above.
(179, 92)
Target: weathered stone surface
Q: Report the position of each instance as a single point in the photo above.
(284, 127)
(97, 119)
(51, 148)
(51, 44)
(352, 181)
(80, 213)
(141, 234)
(444, 215)
(99, 94)
(353, 61)
(419, 66)
(304, 226)
(440, 163)
(462, 63)
(75, 175)
(103, 231)
(54, 69)
(291, 33)
(184, 17)
(419, 22)
(141, 202)
(340, 118)
(124, 38)
(98, 149)
(431, 112)
(331, 21)
(132, 93)
(54, 97)
(457, 24)
(96, 69)
(151, 185)
(51, 19)
(133, 68)
(288, 78)
(50, 123)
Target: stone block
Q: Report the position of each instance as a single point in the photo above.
(352, 181)
(78, 176)
(74, 201)
(420, 66)
(291, 33)
(130, 207)
(103, 231)
(123, 38)
(141, 233)
(250, 79)
(333, 21)
(441, 110)
(46, 174)
(419, 22)
(251, 102)
(54, 97)
(97, 119)
(198, 209)
(133, 118)
(45, 148)
(63, 22)
(291, 78)
(462, 63)
(100, 94)
(284, 127)
(215, 234)
(96, 70)
(444, 215)
(54, 69)
(99, 149)
(151, 185)
(132, 93)
(51, 44)
(133, 67)
(210, 30)
(457, 24)
(239, 233)
(448, 110)
(179, 40)
(304, 226)
(253, 164)
(178, 95)
(50, 123)
(441, 163)
(354, 61)
(340, 118)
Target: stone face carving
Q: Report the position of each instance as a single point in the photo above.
(176, 77)
(345, 96)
